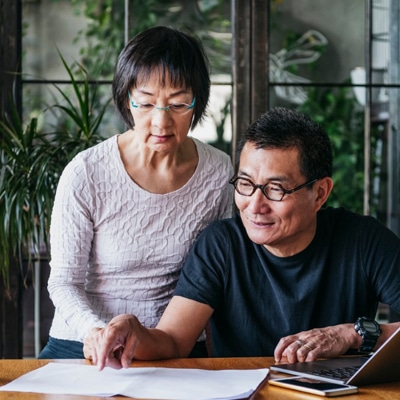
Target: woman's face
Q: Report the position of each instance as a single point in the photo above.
(161, 130)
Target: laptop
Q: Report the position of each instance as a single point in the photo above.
(381, 366)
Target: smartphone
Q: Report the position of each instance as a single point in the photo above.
(314, 386)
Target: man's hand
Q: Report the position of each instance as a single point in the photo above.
(115, 344)
(328, 342)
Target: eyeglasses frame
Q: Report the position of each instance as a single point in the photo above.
(235, 178)
(166, 108)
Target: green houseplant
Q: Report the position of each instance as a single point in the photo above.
(28, 177)
(32, 160)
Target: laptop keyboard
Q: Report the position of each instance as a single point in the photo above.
(337, 373)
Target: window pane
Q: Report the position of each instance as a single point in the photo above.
(217, 128)
(91, 33)
(317, 65)
(307, 46)
(49, 25)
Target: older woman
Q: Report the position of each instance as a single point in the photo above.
(127, 210)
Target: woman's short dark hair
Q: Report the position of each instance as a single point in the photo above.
(171, 51)
(284, 128)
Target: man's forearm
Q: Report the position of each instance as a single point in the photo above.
(155, 344)
(125, 339)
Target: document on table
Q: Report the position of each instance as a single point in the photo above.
(154, 383)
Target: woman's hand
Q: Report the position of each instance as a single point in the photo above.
(88, 343)
(114, 346)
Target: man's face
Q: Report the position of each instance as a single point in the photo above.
(284, 227)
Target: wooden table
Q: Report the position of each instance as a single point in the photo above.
(11, 369)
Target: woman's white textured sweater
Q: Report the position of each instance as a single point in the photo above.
(116, 248)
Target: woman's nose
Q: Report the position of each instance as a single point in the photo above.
(161, 117)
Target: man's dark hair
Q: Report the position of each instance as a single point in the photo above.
(171, 51)
(284, 128)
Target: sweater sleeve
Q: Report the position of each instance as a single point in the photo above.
(227, 194)
(71, 234)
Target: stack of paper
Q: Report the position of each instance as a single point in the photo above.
(154, 383)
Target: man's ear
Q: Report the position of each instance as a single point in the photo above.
(323, 188)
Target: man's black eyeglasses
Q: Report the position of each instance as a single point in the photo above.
(272, 191)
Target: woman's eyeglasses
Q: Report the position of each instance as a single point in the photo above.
(176, 108)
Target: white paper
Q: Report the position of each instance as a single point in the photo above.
(154, 383)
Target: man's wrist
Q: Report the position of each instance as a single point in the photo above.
(369, 331)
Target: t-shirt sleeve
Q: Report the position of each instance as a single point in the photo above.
(203, 273)
(381, 256)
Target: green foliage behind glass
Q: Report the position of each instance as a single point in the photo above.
(343, 119)
(32, 160)
(104, 34)
(28, 178)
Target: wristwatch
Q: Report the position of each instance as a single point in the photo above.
(369, 330)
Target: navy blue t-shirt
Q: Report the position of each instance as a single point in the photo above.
(352, 264)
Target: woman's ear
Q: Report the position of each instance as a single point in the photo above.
(323, 188)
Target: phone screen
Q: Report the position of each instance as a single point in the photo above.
(309, 383)
(321, 388)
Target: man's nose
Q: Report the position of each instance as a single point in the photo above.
(258, 201)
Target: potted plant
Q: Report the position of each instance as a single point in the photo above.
(32, 160)
(28, 177)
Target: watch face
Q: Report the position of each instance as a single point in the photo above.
(369, 326)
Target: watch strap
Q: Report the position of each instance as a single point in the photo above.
(369, 337)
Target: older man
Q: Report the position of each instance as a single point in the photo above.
(286, 276)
